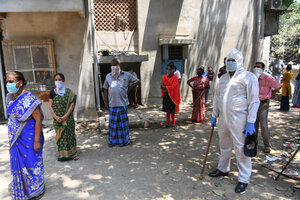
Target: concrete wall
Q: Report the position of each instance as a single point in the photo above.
(42, 6)
(117, 41)
(72, 43)
(217, 27)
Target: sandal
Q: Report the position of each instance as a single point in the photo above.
(173, 126)
(76, 157)
(267, 150)
(110, 145)
(165, 125)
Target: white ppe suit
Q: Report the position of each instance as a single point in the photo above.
(236, 101)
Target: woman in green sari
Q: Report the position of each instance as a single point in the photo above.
(61, 104)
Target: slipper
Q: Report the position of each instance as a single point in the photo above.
(76, 157)
(110, 145)
(267, 150)
(130, 143)
(165, 125)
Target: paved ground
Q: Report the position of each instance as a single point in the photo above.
(162, 164)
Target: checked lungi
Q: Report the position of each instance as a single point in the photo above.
(118, 126)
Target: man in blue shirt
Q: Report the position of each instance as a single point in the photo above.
(115, 91)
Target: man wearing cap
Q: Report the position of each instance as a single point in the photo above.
(266, 83)
(235, 103)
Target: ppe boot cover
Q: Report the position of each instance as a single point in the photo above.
(250, 146)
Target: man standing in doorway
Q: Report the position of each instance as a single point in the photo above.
(115, 91)
(235, 103)
(266, 83)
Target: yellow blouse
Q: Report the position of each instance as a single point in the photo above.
(286, 84)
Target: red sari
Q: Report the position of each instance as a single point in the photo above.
(172, 85)
(198, 91)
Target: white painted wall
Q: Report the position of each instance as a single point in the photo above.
(217, 27)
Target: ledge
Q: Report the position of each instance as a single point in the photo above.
(175, 40)
(123, 58)
(42, 6)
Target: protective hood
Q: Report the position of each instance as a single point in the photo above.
(238, 57)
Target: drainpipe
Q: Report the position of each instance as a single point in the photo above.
(259, 25)
(95, 57)
(1, 75)
(2, 86)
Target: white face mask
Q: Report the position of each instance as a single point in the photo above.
(59, 84)
(115, 71)
(258, 71)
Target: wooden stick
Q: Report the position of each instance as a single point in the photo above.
(287, 163)
(207, 150)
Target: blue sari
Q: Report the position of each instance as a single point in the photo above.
(27, 168)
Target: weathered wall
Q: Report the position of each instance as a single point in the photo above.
(117, 41)
(72, 43)
(42, 6)
(217, 26)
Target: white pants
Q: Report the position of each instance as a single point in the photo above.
(232, 135)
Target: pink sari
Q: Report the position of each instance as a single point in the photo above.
(199, 86)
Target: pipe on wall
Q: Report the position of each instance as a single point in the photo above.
(259, 28)
(95, 56)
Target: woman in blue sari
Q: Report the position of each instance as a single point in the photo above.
(25, 139)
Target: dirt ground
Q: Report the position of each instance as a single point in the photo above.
(162, 164)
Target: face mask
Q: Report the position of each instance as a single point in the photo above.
(257, 71)
(231, 66)
(59, 84)
(12, 87)
(115, 71)
(170, 72)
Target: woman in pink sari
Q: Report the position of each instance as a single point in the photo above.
(199, 85)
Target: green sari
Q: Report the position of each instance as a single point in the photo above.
(65, 132)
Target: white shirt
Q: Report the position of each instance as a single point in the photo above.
(177, 73)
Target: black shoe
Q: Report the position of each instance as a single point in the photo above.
(240, 188)
(217, 173)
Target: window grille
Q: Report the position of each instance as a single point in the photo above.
(35, 59)
(175, 52)
(115, 15)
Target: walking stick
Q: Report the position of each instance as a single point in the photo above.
(287, 163)
(207, 150)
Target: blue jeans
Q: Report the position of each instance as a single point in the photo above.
(206, 95)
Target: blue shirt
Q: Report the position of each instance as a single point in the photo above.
(117, 88)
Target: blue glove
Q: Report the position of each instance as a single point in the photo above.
(213, 121)
(249, 129)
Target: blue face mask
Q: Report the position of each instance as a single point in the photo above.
(12, 87)
(231, 66)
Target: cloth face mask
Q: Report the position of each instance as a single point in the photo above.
(170, 72)
(60, 87)
(115, 71)
(12, 87)
(257, 71)
(231, 66)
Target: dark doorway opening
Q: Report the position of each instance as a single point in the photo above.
(105, 69)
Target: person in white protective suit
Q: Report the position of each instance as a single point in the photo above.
(236, 101)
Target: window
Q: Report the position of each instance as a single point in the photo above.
(35, 59)
(175, 54)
